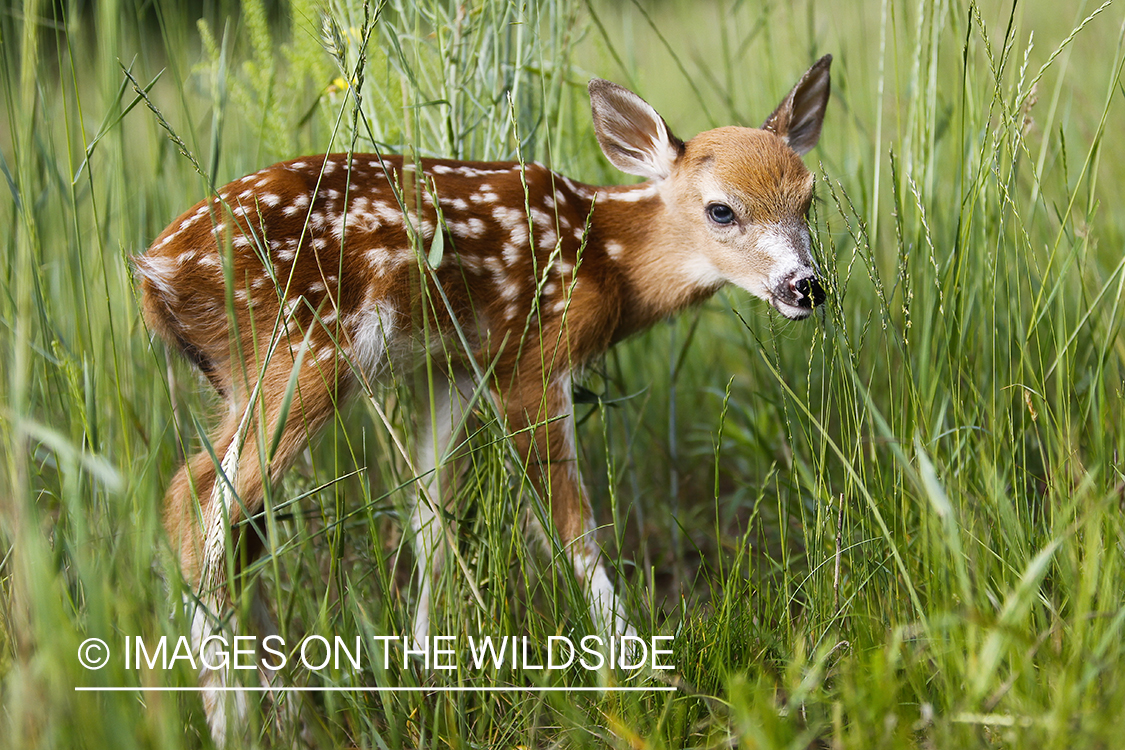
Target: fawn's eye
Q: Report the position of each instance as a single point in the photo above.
(720, 213)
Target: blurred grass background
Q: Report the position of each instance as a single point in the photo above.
(896, 526)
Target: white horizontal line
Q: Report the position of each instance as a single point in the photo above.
(337, 689)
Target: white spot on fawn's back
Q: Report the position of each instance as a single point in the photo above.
(388, 214)
(286, 251)
(629, 195)
(511, 253)
(514, 221)
(299, 203)
(471, 263)
(582, 191)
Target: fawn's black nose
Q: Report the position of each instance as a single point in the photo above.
(807, 292)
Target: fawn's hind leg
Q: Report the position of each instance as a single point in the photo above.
(206, 532)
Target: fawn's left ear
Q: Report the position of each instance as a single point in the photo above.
(799, 116)
(632, 135)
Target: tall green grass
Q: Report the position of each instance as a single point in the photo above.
(897, 526)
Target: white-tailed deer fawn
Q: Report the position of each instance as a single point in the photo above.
(303, 284)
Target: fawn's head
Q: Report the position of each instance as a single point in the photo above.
(739, 196)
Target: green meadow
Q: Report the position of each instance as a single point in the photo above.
(898, 524)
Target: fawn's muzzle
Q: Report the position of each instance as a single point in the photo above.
(796, 296)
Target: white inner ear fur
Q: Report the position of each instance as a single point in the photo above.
(653, 160)
(630, 124)
(663, 154)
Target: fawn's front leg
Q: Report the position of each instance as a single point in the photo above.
(542, 423)
(441, 420)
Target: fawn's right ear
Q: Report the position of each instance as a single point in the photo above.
(632, 135)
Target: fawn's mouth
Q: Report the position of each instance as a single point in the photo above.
(791, 311)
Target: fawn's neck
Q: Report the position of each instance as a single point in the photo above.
(660, 268)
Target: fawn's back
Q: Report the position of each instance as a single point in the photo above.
(320, 245)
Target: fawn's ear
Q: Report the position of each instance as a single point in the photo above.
(799, 116)
(632, 135)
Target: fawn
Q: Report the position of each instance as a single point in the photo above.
(299, 286)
